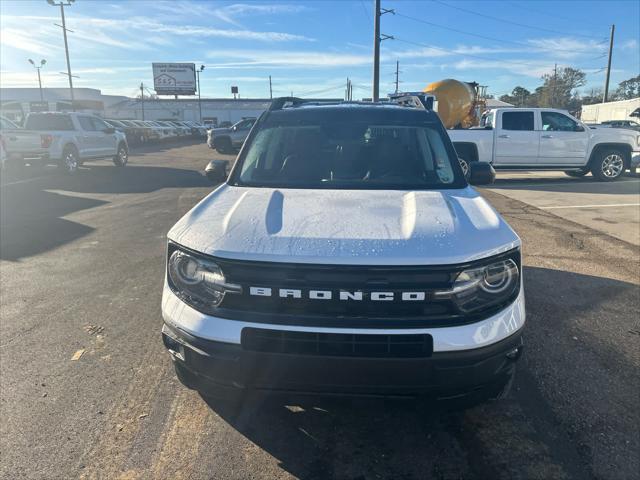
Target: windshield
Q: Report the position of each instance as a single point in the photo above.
(358, 155)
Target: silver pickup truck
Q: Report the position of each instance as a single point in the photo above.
(65, 139)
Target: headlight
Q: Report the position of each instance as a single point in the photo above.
(479, 288)
(200, 283)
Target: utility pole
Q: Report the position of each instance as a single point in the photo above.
(376, 52)
(199, 97)
(397, 74)
(270, 88)
(38, 67)
(555, 80)
(606, 82)
(377, 39)
(142, 98)
(66, 45)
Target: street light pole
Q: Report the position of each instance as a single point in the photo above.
(42, 63)
(199, 97)
(66, 45)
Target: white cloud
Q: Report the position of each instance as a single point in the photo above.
(289, 58)
(629, 44)
(567, 47)
(26, 42)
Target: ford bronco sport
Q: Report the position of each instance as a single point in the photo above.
(345, 254)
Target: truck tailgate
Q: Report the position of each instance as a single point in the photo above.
(24, 143)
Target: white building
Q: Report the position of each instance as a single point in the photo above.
(214, 110)
(601, 112)
(15, 103)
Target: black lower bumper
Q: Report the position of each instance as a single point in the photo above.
(211, 367)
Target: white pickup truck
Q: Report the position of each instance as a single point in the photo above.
(547, 139)
(65, 139)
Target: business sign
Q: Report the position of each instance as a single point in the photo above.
(174, 78)
(39, 106)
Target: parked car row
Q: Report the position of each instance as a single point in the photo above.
(139, 132)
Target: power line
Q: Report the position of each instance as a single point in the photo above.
(365, 10)
(464, 32)
(554, 14)
(453, 52)
(523, 25)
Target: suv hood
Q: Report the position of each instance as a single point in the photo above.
(355, 227)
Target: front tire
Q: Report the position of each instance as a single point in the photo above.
(70, 160)
(122, 157)
(576, 173)
(223, 145)
(608, 165)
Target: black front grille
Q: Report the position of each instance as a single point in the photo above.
(336, 313)
(365, 279)
(337, 344)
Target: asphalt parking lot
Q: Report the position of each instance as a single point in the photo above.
(87, 390)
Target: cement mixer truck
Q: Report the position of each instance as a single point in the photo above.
(459, 103)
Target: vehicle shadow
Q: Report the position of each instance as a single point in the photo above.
(31, 213)
(31, 222)
(626, 185)
(163, 146)
(516, 438)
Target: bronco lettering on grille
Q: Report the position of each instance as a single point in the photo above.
(357, 295)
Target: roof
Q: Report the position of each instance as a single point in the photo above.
(495, 103)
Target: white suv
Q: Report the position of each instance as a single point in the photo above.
(345, 254)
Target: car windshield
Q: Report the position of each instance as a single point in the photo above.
(355, 153)
(48, 122)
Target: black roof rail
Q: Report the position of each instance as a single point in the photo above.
(413, 99)
(279, 103)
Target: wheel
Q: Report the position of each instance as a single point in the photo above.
(122, 157)
(70, 160)
(465, 167)
(576, 173)
(223, 145)
(608, 165)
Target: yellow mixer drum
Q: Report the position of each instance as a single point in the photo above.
(455, 100)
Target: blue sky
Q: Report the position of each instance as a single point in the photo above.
(310, 47)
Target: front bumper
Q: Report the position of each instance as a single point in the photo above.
(471, 359)
(212, 367)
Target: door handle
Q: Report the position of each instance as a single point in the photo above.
(547, 136)
(503, 136)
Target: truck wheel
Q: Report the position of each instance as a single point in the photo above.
(576, 173)
(122, 157)
(70, 160)
(608, 165)
(223, 145)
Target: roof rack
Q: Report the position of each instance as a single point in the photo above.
(414, 99)
(405, 99)
(279, 103)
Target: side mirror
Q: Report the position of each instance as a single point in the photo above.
(481, 173)
(578, 128)
(234, 128)
(216, 171)
(109, 130)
